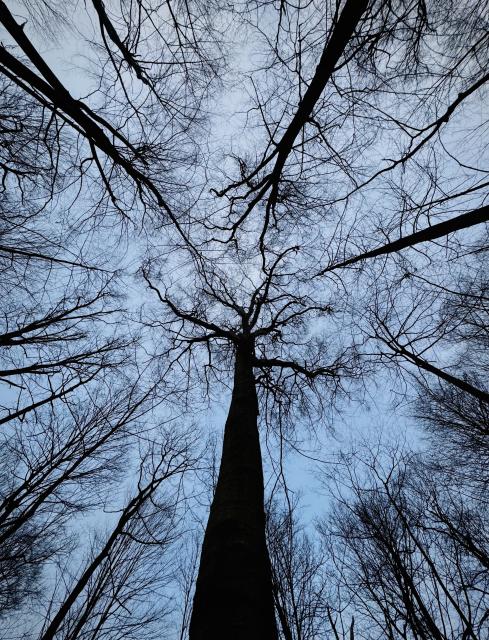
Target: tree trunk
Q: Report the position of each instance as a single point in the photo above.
(233, 596)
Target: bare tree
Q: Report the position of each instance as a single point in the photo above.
(399, 564)
(435, 329)
(366, 153)
(253, 330)
(133, 148)
(298, 573)
(46, 352)
(108, 596)
(56, 466)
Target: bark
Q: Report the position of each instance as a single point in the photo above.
(234, 595)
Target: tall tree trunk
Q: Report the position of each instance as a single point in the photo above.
(234, 597)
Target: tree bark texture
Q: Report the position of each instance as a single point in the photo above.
(234, 597)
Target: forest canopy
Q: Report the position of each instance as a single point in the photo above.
(244, 322)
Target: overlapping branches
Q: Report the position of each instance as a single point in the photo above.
(223, 310)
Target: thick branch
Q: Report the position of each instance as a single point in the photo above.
(333, 50)
(463, 221)
(28, 254)
(187, 316)
(82, 116)
(480, 394)
(296, 367)
(107, 26)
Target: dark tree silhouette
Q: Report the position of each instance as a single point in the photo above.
(425, 235)
(298, 573)
(146, 525)
(254, 328)
(432, 319)
(56, 466)
(106, 137)
(397, 552)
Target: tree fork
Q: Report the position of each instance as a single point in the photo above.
(234, 594)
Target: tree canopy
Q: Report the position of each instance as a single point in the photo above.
(243, 260)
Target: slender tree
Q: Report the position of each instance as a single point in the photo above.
(408, 573)
(92, 603)
(298, 571)
(53, 469)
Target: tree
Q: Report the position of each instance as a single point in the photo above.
(68, 349)
(257, 324)
(121, 145)
(113, 580)
(299, 581)
(404, 571)
(56, 467)
(437, 328)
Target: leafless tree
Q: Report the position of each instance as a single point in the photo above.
(132, 132)
(319, 101)
(331, 244)
(56, 466)
(253, 329)
(114, 593)
(399, 557)
(435, 328)
(298, 574)
(50, 347)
